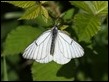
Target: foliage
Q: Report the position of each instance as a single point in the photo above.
(51, 69)
(86, 22)
(32, 9)
(22, 36)
(90, 19)
(91, 27)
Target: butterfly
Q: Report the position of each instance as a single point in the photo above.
(53, 45)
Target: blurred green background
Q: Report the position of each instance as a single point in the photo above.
(93, 66)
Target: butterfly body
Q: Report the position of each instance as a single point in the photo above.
(54, 35)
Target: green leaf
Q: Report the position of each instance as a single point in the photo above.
(68, 14)
(84, 5)
(31, 12)
(18, 39)
(86, 26)
(22, 4)
(42, 23)
(53, 72)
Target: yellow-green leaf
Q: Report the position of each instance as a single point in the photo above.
(44, 13)
(22, 4)
(63, 27)
(100, 7)
(31, 12)
(92, 7)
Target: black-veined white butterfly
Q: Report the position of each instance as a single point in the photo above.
(53, 45)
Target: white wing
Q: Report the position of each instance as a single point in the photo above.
(39, 50)
(59, 54)
(66, 48)
(46, 59)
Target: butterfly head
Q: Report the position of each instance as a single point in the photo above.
(55, 27)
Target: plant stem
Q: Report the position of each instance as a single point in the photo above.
(5, 69)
